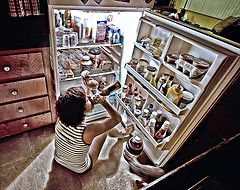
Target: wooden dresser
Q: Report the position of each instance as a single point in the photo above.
(27, 98)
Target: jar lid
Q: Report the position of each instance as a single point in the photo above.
(151, 68)
(137, 112)
(154, 114)
(150, 105)
(187, 96)
(159, 112)
(143, 62)
(95, 51)
(146, 111)
(125, 86)
(137, 139)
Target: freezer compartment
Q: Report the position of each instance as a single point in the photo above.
(193, 89)
(152, 38)
(148, 99)
(191, 60)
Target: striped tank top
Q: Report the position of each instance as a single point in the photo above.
(70, 149)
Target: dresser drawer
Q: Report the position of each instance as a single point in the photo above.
(25, 124)
(23, 109)
(13, 67)
(22, 89)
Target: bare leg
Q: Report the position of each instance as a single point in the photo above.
(96, 147)
(145, 170)
(116, 132)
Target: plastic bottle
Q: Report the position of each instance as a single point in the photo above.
(153, 81)
(167, 85)
(143, 118)
(151, 127)
(160, 123)
(161, 133)
(174, 94)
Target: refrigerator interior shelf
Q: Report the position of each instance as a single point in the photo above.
(150, 55)
(91, 75)
(111, 56)
(89, 45)
(155, 91)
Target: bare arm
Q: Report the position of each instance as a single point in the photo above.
(94, 129)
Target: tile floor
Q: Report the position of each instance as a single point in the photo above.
(27, 163)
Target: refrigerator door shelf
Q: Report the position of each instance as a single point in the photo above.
(149, 54)
(175, 122)
(175, 109)
(180, 44)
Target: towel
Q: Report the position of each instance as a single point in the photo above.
(21, 8)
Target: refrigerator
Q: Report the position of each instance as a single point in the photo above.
(146, 40)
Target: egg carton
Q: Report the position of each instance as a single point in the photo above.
(189, 69)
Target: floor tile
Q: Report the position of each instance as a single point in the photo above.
(14, 148)
(40, 138)
(9, 172)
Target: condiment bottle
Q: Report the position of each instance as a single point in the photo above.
(150, 107)
(159, 123)
(110, 88)
(143, 117)
(132, 103)
(133, 148)
(124, 92)
(151, 127)
(161, 133)
(162, 80)
(153, 81)
(153, 115)
(129, 91)
(167, 85)
(174, 94)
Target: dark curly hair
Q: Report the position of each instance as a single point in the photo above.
(71, 106)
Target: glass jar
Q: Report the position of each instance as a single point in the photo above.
(149, 72)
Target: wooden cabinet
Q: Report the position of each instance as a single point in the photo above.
(27, 91)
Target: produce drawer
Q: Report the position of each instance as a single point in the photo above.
(14, 67)
(25, 124)
(23, 109)
(22, 89)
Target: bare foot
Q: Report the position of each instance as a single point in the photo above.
(120, 133)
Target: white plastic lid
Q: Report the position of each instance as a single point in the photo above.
(187, 96)
(159, 112)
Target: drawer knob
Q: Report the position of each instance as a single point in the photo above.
(6, 68)
(25, 125)
(20, 110)
(14, 92)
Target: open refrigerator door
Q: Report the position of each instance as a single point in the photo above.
(199, 68)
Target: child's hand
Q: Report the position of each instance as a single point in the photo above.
(97, 99)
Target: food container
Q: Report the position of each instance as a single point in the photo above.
(86, 63)
(171, 58)
(186, 99)
(142, 66)
(95, 54)
(187, 57)
(200, 64)
(149, 72)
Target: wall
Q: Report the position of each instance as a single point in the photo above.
(202, 20)
(25, 32)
